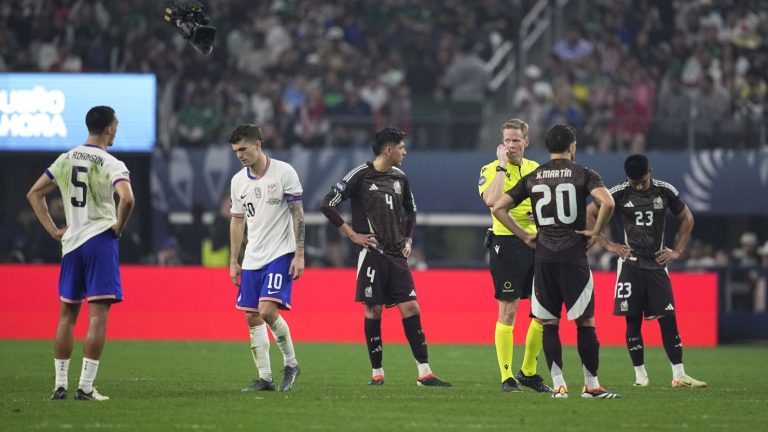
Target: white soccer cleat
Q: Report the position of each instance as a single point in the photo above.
(93, 395)
(687, 382)
(641, 381)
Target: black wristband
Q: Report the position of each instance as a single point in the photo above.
(500, 168)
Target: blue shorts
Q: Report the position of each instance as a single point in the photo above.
(92, 271)
(269, 283)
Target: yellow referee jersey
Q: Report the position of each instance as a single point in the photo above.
(513, 175)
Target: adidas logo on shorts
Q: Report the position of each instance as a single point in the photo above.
(412, 293)
(669, 307)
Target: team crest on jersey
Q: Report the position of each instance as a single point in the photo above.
(271, 190)
(396, 187)
(658, 204)
(257, 192)
(481, 181)
(624, 306)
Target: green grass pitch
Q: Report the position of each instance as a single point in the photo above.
(196, 386)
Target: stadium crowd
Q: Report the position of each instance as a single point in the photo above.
(645, 74)
(631, 74)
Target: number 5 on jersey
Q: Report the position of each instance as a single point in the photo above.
(82, 185)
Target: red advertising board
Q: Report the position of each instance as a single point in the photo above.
(193, 303)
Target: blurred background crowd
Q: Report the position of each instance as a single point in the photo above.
(631, 75)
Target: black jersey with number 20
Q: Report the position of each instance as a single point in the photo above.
(559, 190)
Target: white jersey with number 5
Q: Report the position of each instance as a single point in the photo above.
(86, 177)
(263, 201)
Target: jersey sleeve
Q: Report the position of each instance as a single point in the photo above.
(118, 172)
(54, 171)
(291, 184)
(593, 180)
(519, 192)
(237, 210)
(675, 203)
(340, 192)
(487, 174)
(409, 203)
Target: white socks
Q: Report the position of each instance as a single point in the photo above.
(62, 369)
(678, 371)
(88, 374)
(283, 338)
(378, 372)
(423, 369)
(557, 377)
(590, 380)
(260, 351)
(640, 372)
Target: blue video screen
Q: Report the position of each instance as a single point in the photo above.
(46, 111)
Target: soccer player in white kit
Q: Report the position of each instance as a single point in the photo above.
(266, 194)
(87, 177)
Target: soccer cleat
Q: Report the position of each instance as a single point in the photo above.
(289, 376)
(93, 395)
(535, 382)
(510, 385)
(260, 385)
(377, 380)
(641, 381)
(598, 393)
(59, 394)
(560, 393)
(431, 380)
(686, 381)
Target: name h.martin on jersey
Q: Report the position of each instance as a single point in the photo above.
(556, 173)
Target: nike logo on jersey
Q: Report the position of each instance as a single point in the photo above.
(373, 187)
(629, 204)
(669, 307)
(242, 197)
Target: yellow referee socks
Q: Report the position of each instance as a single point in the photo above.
(533, 344)
(504, 348)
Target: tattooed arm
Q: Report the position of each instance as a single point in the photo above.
(297, 214)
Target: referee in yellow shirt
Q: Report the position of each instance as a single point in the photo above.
(512, 258)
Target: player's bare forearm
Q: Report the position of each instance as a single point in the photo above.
(236, 228)
(297, 215)
(684, 232)
(36, 197)
(605, 200)
(124, 207)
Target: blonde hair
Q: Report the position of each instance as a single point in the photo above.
(516, 124)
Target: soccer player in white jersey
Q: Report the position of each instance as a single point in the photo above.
(87, 177)
(266, 194)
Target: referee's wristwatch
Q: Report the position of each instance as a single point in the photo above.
(500, 168)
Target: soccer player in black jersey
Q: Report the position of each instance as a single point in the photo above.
(383, 220)
(558, 190)
(642, 283)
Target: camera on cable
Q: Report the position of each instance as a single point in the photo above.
(190, 20)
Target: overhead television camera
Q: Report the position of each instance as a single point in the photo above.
(190, 20)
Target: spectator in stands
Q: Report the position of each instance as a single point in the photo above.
(712, 107)
(672, 117)
(746, 254)
(574, 49)
(466, 82)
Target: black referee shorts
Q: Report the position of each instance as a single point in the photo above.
(511, 268)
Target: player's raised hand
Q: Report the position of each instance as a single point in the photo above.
(407, 247)
(234, 272)
(297, 267)
(590, 235)
(502, 155)
(622, 250)
(365, 240)
(666, 255)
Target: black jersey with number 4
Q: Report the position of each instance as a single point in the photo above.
(559, 190)
(382, 204)
(643, 216)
